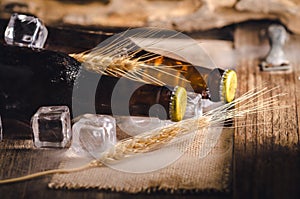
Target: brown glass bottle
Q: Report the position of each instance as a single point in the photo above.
(121, 96)
(30, 79)
(216, 84)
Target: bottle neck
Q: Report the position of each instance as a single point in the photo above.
(214, 83)
(206, 81)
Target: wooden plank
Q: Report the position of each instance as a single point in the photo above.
(267, 158)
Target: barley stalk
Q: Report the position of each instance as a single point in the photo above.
(111, 59)
(251, 102)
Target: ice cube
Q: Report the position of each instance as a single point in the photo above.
(25, 30)
(52, 127)
(193, 107)
(93, 134)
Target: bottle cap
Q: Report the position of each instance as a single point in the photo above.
(178, 104)
(228, 85)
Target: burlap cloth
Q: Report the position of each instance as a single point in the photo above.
(189, 173)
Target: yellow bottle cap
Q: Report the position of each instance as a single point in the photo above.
(229, 84)
(178, 104)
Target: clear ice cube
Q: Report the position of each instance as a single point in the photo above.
(52, 127)
(25, 30)
(193, 107)
(93, 134)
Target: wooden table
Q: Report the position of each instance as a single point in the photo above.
(266, 157)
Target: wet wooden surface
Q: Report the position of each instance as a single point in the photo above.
(266, 157)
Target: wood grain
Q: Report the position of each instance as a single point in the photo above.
(267, 160)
